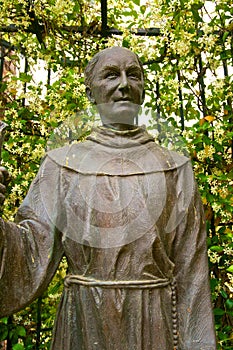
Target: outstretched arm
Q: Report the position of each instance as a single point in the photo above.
(30, 248)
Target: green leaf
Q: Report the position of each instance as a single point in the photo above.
(143, 9)
(225, 35)
(229, 303)
(196, 15)
(213, 283)
(230, 269)
(4, 320)
(21, 331)
(55, 288)
(127, 13)
(18, 347)
(216, 248)
(125, 43)
(136, 2)
(26, 78)
(224, 294)
(3, 332)
(219, 312)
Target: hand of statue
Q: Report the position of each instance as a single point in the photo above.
(4, 180)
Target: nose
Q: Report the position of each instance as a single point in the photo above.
(123, 81)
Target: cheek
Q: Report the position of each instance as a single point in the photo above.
(103, 91)
(98, 93)
(138, 94)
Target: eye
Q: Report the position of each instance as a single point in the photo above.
(134, 75)
(111, 75)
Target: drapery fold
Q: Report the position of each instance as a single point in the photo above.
(120, 208)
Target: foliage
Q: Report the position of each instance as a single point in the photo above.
(189, 84)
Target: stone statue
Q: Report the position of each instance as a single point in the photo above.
(127, 215)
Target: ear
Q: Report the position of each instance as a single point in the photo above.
(143, 96)
(89, 95)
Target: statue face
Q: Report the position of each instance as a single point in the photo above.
(117, 86)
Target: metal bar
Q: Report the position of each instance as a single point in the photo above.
(38, 322)
(138, 32)
(9, 325)
(2, 63)
(202, 86)
(181, 107)
(104, 18)
(232, 50)
(158, 109)
(229, 99)
(25, 84)
(49, 77)
(76, 29)
(6, 44)
(104, 28)
(201, 73)
(158, 97)
(225, 68)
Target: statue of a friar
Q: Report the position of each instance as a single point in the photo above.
(127, 215)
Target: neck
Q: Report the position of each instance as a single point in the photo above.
(120, 127)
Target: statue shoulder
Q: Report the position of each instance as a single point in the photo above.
(68, 155)
(87, 156)
(168, 159)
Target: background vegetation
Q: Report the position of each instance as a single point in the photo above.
(189, 84)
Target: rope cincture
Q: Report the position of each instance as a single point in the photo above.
(174, 316)
(137, 284)
(134, 284)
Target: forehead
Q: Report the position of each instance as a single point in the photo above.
(118, 58)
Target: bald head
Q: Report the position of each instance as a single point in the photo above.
(115, 83)
(115, 50)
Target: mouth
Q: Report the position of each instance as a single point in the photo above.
(123, 99)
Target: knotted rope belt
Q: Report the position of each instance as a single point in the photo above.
(137, 284)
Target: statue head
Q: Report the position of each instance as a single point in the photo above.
(115, 83)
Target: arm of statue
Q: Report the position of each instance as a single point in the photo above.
(195, 318)
(30, 248)
(4, 180)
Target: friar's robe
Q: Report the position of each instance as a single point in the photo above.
(127, 215)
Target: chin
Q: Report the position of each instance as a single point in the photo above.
(121, 112)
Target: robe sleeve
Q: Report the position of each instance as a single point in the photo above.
(30, 248)
(195, 317)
